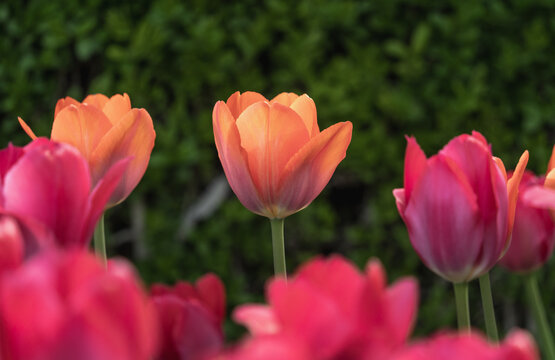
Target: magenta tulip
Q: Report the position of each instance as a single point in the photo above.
(328, 310)
(67, 306)
(458, 206)
(191, 318)
(50, 183)
(533, 233)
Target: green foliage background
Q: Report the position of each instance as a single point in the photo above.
(433, 69)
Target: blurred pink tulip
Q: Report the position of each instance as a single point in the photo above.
(67, 306)
(517, 346)
(328, 310)
(273, 153)
(49, 183)
(533, 233)
(191, 318)
(458, 206)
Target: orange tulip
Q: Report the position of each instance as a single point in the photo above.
(274, 156)
(105, 130)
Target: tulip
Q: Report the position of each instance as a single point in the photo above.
(459, 211)
(274, 155)
(533, 233)
(66, 306)
(34, 189)
(517, 346)
(191, 318)
(329, 310)
(105, 130)
(544, 196)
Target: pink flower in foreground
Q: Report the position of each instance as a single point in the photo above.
(329, 310)
(517, 346)
(533, 233)
(458, 206)
(67, 306)
(273, 153)
(49, 183)
(191, 318)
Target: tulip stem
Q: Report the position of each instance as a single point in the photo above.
(100, 240)
(535, 302)
(278, 245)
(487, 306)
(461, 301)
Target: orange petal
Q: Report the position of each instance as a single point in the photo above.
(304, 106)
(117, 107)
(550, 180)
(551, 164)
(234, 158)
(82, 126)
(132, 136)
(310, 169)
(26, 128)
(63, 103)
(96, 100)
(237, 102)
(285, 98)
(271, 135)
(512, 188)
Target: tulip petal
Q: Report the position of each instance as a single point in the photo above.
(400, 201)
(311, 168)
(37, 187)
(501, 167)
(27, 128)
(237, 102)
(415, 164)
(446, 244)
(258, 319)
(8, 157)
(309, 315)
(285, 98)
(96, 100)
(402, 298)
(305, 107)
(11, 244)
(550, 180)
(234, 158)
(270, 135)
(551, 164)
(132, 136)
(540, 197)
(211, 290)
(512, 190)
(82, 126)
(100, 195)
(63, 103)
(117, 107)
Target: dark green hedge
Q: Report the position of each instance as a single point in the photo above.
(433, 69)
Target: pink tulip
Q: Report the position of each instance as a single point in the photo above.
(50, 183)
(533, 233)
(458, 206)
(67, 306)
(273, 153)
(329, 310)
(518, 346)
(544, 196)
(191, 318)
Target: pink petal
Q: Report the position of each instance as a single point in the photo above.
(258, 319)
(415, 164)
(211, 290)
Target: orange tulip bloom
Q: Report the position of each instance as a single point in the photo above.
(105, 130)
(274, 156)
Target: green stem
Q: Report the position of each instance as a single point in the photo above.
(461, 301)
(535, 302)
(487, 306)
(278, 247)
(100, 240)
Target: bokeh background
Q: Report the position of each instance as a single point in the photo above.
(433, 69)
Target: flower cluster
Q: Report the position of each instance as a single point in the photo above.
(59, 301)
